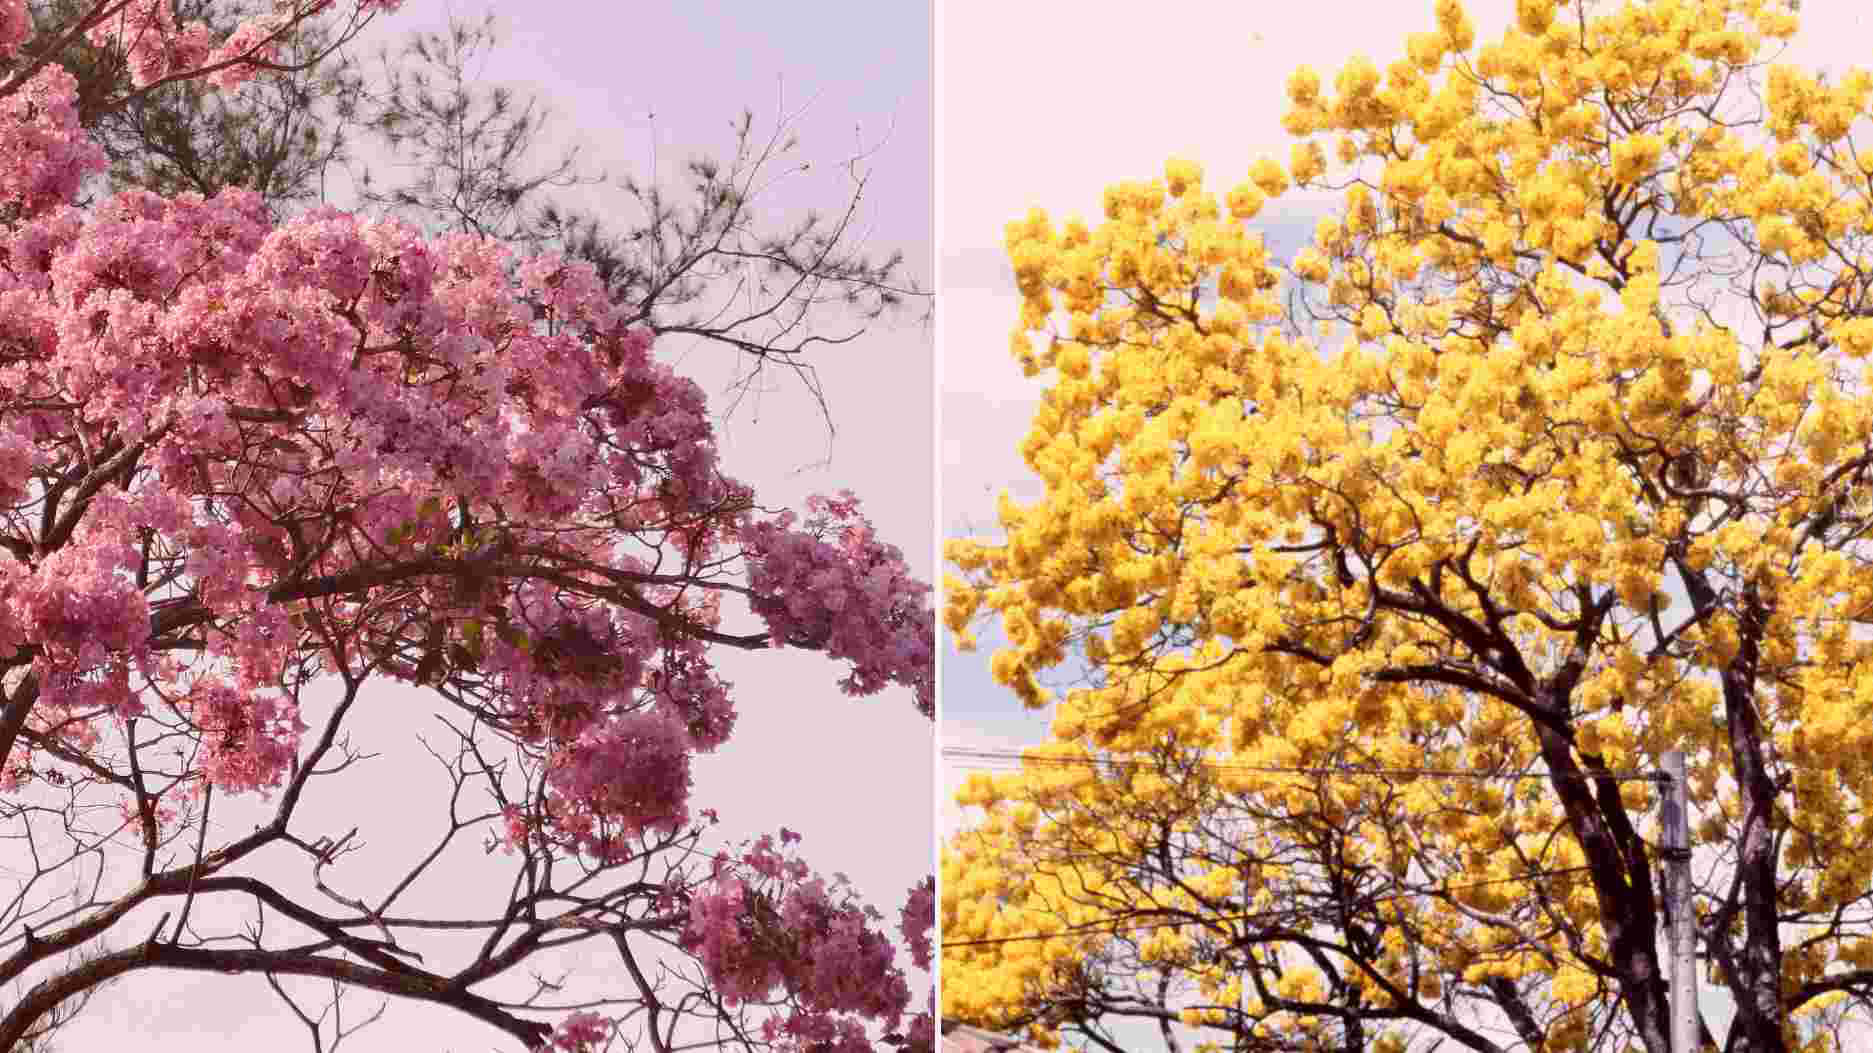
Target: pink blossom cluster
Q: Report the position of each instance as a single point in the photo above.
(687, 688)
(44, 155)
(249, 739)
(81, 606)
(920, 1033)
(18, 457)
(561, 666)
(917, 920)
(766, 928)
(917, 924)
(16, 26)
(834, 586)
(155, 46)
(253, 41)
(581, 1032)
(619, 779)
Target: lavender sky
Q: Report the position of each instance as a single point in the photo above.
(642, 88)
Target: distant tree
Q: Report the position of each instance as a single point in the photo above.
(700, 260)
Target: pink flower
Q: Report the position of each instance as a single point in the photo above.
(251, 740)
(765, 929)
(44, 155)
(622, 778)
(16, 26)
(581, 1032)
(916, 921)
(252, 41)
(834, 587)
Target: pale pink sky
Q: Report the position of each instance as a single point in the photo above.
(633, 83)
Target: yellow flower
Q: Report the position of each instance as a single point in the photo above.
(1303, 86)
(1182, 176)
(1455, 23)
(1634, 156)
(1246, 201)
(1267, 175)
(1534, 16)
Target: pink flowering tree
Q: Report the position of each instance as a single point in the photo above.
(244, 462)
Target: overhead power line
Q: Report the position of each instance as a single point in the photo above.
(1288, 914)
(1006, 758)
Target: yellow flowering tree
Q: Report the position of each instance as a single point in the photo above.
(1549, 454)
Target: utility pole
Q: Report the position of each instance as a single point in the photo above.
(1681, 932)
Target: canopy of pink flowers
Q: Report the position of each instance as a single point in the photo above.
(326, 431)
